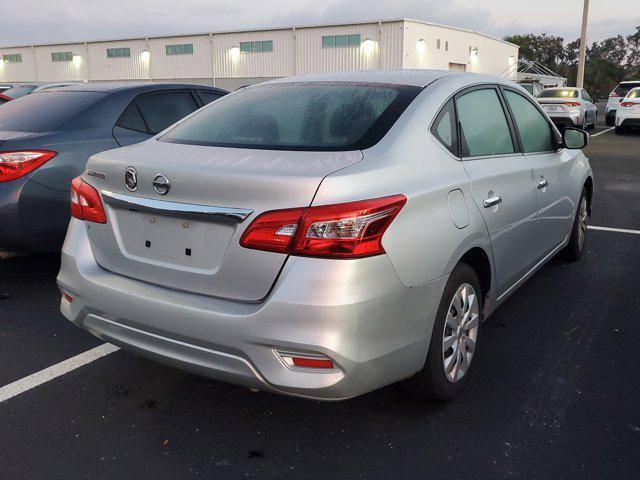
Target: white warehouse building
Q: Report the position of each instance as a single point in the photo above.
(233, 59)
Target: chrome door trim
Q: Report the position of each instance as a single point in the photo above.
(163, 206)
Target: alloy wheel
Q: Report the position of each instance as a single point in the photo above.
(583, 215)
(460, 333)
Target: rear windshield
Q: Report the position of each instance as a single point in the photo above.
(561, 93)
(623, 88)
(634, 94)
(19, 91)
(297, 116)
(40, 112)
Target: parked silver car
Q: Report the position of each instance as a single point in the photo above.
(569, 107)
(324, 236)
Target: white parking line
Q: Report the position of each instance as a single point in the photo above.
(54, 371)
(617, 230)
(604, 131)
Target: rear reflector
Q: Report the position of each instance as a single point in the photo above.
(344, 230)
(86, 203)
(67, 297)
(301, 360)
(17, 164)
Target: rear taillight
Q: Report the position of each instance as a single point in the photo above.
(614, 94)
(628, 104)
(573, 104)
(344, 230)
(86, 203)
(17, 164)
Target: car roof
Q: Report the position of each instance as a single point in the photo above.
(138, 87)
(418, 78)
(629, 81)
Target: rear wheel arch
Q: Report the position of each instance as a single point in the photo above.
(479, 261)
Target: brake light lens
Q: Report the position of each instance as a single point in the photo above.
(86, 203)
(573, 104)
(614, 94)
(14, 165)
(344, 230)
(628, 104)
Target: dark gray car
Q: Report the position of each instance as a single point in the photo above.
(47, 137)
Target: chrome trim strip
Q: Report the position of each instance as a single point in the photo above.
(163, 206)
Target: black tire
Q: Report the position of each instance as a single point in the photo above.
(619, 130)
(431, 382)
(610, 120)
(575, 248)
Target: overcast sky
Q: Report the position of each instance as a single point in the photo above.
(47, 21)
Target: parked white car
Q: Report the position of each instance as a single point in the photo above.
(628, 113)
(616, 97)
(569, 107)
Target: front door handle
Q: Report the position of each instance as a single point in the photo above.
(542, 183)
(491, 201)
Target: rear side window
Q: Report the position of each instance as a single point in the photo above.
(159, 110)
(483, 124)
(41, 112)
(131, 119)
(208, 96)
(444, 127)
(534, 130)
(298, 116)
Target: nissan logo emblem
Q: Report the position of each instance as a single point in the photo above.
(161, 184)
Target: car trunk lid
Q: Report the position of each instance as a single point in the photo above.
(188, 238)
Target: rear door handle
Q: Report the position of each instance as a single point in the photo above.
(491, 201)
(542, 183)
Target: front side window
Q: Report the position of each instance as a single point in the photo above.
(534, 130)
(444, 128)
(483, 124)
(298, 116)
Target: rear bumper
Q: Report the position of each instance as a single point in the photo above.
(566, 119)
(357, 312)
(627, 119)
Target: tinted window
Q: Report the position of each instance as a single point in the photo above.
(298, 116)
(160, 110)
(534, 130)
(40, 112)
(634, 94)
(132, 120)
(528, 87)
(444, 127)
(19, 91)
(484, 127)
(208, 96)
(558, 93)
(623, 88)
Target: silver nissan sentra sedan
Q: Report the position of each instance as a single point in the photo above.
(324, 236)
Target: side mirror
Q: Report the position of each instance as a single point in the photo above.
(574, 138)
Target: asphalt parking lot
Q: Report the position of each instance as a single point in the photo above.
(554, 392)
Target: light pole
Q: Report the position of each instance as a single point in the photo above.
(583, 45)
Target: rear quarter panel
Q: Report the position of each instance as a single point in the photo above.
(423, 242)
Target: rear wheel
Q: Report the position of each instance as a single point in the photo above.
(574, 249)
(610, 120)
(453, 340)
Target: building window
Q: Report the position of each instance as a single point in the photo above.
(329, 41)
(12, 58)
(118, 52)
(446, 46)
(184, 49)
(438, 44)
(259, 46)
(62, 56)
